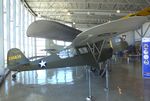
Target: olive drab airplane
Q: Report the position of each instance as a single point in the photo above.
(91, 46)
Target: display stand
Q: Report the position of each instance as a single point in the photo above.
(90, 97)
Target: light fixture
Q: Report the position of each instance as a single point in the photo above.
(88, 13)
(65, 10)
(39, 15)
(74, 23)
(68, 13)
(118, 11)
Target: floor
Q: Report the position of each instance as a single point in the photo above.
(71, 84)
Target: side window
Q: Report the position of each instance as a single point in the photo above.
(83, 50)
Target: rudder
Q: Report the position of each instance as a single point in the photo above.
(15, 59)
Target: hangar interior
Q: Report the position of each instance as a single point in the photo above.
(71, 83)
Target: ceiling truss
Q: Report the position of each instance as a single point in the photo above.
(85, 12)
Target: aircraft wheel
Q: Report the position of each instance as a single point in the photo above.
(93, 69)
(14, 76)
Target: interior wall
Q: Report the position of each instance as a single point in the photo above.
(1, 36)
(14, 20)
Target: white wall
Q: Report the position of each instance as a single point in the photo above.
(14, 20)
(1, 36)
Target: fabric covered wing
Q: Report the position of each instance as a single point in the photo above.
(51, 30)
(107, 30)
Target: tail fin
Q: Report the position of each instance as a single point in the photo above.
(15, 59)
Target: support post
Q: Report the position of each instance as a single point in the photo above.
(90, 97)
(107, 77)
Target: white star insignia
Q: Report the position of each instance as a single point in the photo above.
(42, 63)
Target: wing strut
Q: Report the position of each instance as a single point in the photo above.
(93, 48)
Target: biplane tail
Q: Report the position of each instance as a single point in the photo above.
(16, 59)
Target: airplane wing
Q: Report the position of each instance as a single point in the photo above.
(108, 30)
(52, 30)
(144, 12)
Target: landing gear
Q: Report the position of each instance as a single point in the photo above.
(93, 69)
(14, 76)
(90, 98)
(102, 73)
(107, 76)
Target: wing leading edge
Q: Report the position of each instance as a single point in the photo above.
(52, 30)
(107, 30)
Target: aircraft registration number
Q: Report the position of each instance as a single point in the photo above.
(14, 57)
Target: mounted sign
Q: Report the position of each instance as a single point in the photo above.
(146, 57)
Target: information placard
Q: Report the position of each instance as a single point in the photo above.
(146, 57)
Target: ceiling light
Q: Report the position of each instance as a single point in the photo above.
(65, 10)
(68, 13)
(74, 23)
(39, 15)
(118, 11)
(88, 13)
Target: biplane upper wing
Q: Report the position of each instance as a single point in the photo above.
(107, 30)
(52, 30)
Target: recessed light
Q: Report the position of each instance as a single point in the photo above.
(65, 10)
(88, 13)
(68, 13)
(39, 15)
(118, 11)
